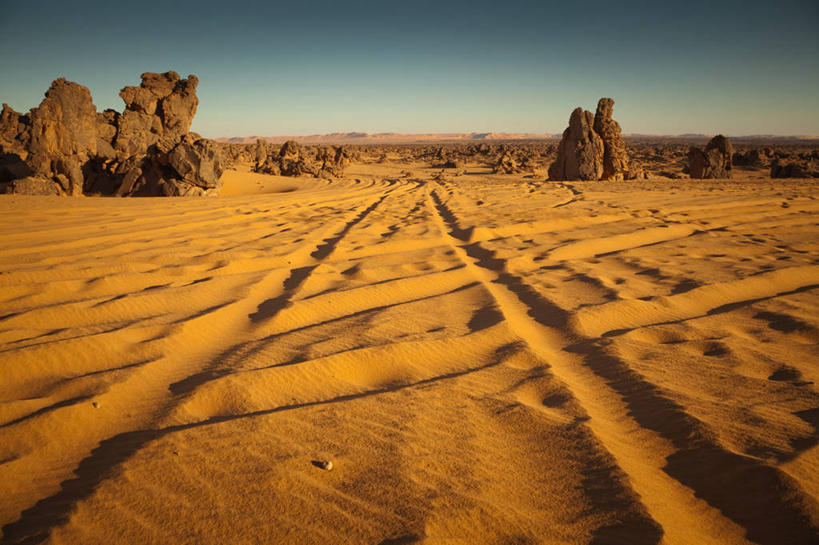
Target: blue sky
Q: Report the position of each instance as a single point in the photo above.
(270, 68)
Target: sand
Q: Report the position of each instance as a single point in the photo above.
(484, 359)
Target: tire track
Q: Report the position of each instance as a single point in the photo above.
(145, 392)
(668, 455)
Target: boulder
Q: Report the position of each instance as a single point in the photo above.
(32, 185)
(62, 136)
(580, 153)
(333, 162)
(14, 129)
(794, 169)
(197, 162)
(756, 157)
(293, 163)
(65, 122)
(506, 164)
(714, 162)
(260, 153)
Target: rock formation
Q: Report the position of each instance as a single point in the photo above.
(756, 157)
(592, 147)
(580, 153)
(333, 161)
(293, 160)
(65, 147)
(713, 162)
(794, 169)
(615, 158)
(506, 164)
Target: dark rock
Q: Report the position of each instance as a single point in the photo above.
(756, 157)
(33, 185)
(794, 169)
(714, 162)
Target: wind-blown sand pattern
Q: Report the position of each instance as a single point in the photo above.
(485, 360)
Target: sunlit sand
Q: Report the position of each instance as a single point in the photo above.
(484, 358)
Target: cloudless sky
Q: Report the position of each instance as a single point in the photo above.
(308, 67)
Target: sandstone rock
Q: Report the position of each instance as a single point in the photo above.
(333, 161)
(260, 153)
(615, 158)
(197, 162)
(794, 169)
(712, 163)
(506, 164)
(13, 167)
(756, 157)
(157, 113)
(65, 147)
(63, 135)
(14, 130)
(33, 185)
(580, 153)
(65, 122)
(293, 163)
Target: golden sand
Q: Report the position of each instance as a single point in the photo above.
(484, 360)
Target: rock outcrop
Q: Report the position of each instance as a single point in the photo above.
(615, 158)
(794, 169)
(333, 161)
(756, 157)
(506, 164)
(145, 150)
(714, 162)
(294, 160)
(580, 153)
(592, 147)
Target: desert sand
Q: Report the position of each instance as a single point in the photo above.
(484, 358)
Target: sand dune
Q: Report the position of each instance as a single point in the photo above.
(485, 360)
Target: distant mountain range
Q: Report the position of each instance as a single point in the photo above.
(398, 138)
(390, 137)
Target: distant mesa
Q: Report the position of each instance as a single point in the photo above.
(592, 147)
(714, 162)
(65, 147)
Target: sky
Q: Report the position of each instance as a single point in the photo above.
(313, 67)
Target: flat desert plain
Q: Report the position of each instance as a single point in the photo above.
(483, 358)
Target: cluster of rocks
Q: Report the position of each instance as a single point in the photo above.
(65, 147)
(294, 160)
(754, 157)
(794, 169)
(713, 162)
(506, 164)
(592, 147)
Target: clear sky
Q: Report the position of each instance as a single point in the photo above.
(306, 67)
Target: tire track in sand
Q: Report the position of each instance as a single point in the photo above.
(696, 490)
(133, 407)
